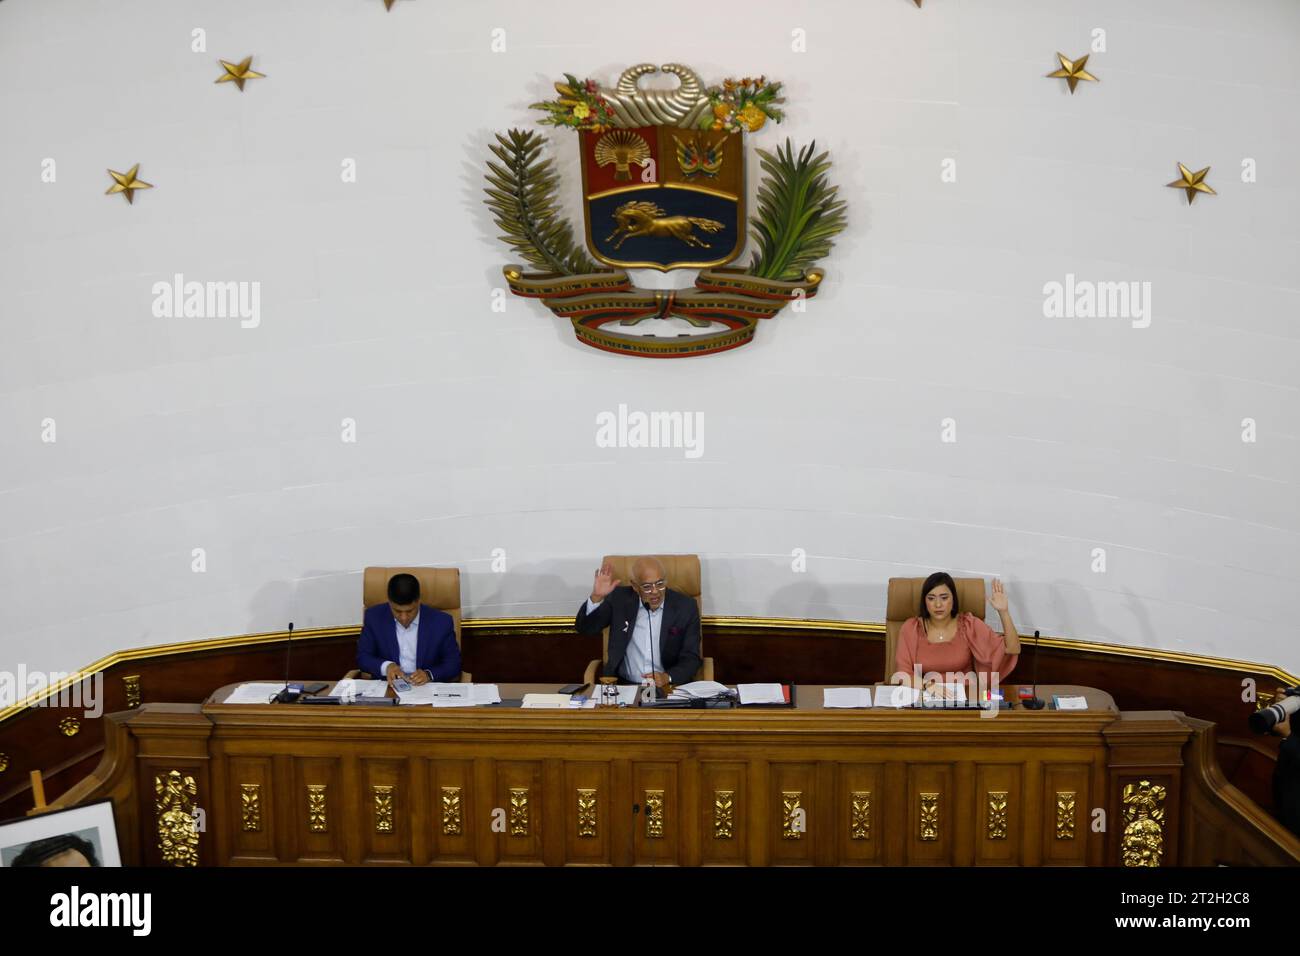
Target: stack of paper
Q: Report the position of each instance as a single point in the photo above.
(254, 693)
(846, 697)
(547, 701)
(761, 694)
(698, 689)
(896, 695)
(450, 695)
(351, 687)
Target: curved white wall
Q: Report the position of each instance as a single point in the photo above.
(476, 430)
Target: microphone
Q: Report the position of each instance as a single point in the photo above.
(287, 696)
(650, 626)
(1033, 703)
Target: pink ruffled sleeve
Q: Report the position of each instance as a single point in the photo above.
(905, 651)
(989, 649)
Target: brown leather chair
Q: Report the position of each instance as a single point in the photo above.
(439, 588)
(682, 572)
(905, 600)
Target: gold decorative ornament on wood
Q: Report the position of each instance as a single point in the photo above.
(452, 824)
(317, 821)
(1065, 805)
(127, 183)
(383, 796)
(175, 797)
(586, 812)
(1143, 842)
(724, 814)
(250, 807)
(1192, 182)
(131, 683)
(1072, 71)
(929, 823)
(654, 814)
(519, 811)
(4, 762)
(69, 726)
(793, 819)
(996, 814)
(860, 815)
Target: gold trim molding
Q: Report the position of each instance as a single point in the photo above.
(866, 630)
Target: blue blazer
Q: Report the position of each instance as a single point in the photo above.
(435, 648)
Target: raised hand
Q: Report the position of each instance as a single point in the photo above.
(605, 583)
(999, 598)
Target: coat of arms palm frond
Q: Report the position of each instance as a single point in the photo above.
(622, 148)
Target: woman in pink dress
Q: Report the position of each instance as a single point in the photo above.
(942, 640)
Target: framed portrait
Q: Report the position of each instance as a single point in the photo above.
(80, 836)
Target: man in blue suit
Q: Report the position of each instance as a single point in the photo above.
(405, 638)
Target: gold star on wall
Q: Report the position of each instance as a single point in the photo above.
(127, 183)
(239, 72)
(1072, 71)
(1192, 182)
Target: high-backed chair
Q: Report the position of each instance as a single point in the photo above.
(439, 588)
(904, 600)
(682, 572)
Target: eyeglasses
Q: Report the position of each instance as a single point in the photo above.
(651, 586)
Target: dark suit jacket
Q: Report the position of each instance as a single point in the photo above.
(677, 635)
(435, 646)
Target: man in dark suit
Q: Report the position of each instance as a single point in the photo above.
(654, 633)
(405, 638)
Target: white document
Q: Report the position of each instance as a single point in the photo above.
(254, 693)
(945, 693)
(547, 701)
(699, 688)
(846, 697)
(896, 695)
(1070, 703)
(436, 695)
(485, 693)
(760, 694)
(352, 687)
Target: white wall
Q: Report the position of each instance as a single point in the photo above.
(476, 429)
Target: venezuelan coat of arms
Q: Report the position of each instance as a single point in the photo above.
(663, 187)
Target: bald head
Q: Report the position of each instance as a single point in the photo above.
(649, 570)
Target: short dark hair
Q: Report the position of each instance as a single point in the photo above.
(35, 854)
(932, 582)
(403, 589)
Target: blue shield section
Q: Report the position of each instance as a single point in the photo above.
(708, 235)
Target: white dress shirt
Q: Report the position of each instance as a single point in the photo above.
(408, 639)
(637, 660)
